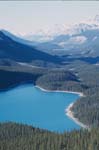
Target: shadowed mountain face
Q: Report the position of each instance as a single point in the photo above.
(10, 49)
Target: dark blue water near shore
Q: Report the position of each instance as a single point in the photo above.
(28, 104)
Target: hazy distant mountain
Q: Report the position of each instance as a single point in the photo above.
(84, 43)
(38, 37)
(81, 39)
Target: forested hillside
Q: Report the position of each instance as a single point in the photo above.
(22, 137)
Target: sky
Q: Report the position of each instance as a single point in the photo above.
(31, 16)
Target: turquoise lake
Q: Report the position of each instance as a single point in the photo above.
(29, 105)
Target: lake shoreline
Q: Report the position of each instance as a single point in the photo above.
(68, 110)
(63, 91)
(10, 87)
(70, 114)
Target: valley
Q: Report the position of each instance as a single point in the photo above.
(65, 63)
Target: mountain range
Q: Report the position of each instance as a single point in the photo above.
(79, 42)
(79, 39)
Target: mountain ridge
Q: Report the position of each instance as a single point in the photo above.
(14, 50)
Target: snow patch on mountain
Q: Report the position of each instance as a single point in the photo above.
(78, 40)
(74, 40)
(94, 38)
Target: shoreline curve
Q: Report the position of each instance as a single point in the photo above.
(68, 111)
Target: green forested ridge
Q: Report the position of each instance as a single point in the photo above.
(15, 136)
(87, 108)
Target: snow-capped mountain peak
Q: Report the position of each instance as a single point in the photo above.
(96, 19)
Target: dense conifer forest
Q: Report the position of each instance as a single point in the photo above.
(15, 136)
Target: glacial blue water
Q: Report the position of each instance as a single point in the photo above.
(29, 105)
